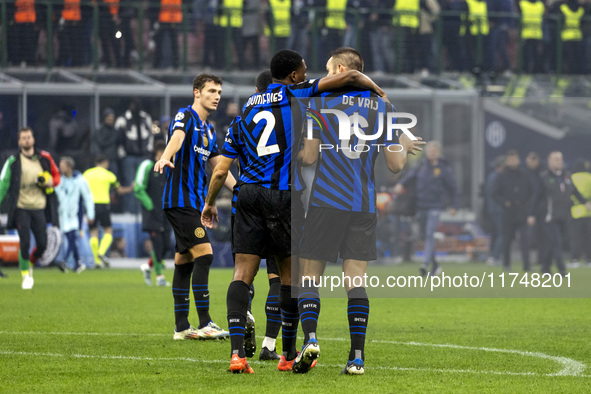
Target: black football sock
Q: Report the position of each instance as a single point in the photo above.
(200, 288)
(250, 297)
(272, 309)
(358, 314)
(309, 307)
(237, 303)
(289, 321)
(181, 292)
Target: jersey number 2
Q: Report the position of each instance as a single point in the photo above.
(262, 148)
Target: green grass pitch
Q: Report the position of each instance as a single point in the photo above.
(105, 331)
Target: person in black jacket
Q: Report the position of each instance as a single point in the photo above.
(107, 140)
(557, 188)
(514, 191)
(149, 188)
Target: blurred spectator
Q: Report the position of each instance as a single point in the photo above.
(581, 214)
(571, 14)
(167, 16)
(118, 249)
(429, 15)
(64, 132)
(127, 13)
(279, 22)
(557, 189)
(109, 23)
(107, 140)
(231, 18)
(436, 188)
(213, 40)
(451, 33)
(532, 14)
(406, 27)
(333, 31)
(135, 129)
(500, 24)
(71, 189)
(494, 210)
(23, 32)
(251, 31)
(71, 34)
(514, 192)
(354, 20)
(476, 32)
(380, 26)
(300, 20)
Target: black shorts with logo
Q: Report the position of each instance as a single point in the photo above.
(187, 227)
(329, 233)
(263, 223)
(102, 216)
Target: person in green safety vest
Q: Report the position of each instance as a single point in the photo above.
(571, 13)
(581, 223)
(334, 24)
(532, 16)
(231, 17)
(405, 20)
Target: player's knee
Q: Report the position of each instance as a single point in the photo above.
(204, 260)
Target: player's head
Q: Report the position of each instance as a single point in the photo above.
(207, 90)
(67, 165)
(433, 151)
(532, 161)
(26, 139)
(101, 161)
(555, 161)
(512, 159)
(344, 59)
(499, 163)
(159, 147)
(264, 79)
(288, 67)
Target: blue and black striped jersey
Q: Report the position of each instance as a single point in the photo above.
(344, 176)
(271, 125)
(186, 183)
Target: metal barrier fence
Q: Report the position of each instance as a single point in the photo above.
(134, 36)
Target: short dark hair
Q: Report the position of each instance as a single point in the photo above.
(201, 79)
(581, 165)
(100, 158)
(264, 79)
(159, 145)
(349, 58)
(533, 156)
(25, 129)
(511, 152)
(284, 63)
(69, 161)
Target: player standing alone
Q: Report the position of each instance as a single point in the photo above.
(191, 144)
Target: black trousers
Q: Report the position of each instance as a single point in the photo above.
(35, 221)
(510, 229)
(581, 246)
(555, 232)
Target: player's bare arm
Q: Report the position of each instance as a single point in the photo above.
(230, 181)
(173, 146)
(219, 177)
(396, 160)
(352, 78)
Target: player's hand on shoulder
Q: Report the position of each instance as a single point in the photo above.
(209, 215)
(161, 164)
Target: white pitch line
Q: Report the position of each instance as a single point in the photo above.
(570, 367)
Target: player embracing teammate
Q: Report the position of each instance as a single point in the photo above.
(266, 140)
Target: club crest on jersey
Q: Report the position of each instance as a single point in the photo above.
(199, 232)
(205, 141)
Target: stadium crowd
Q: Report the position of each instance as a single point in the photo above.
(535, 36)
